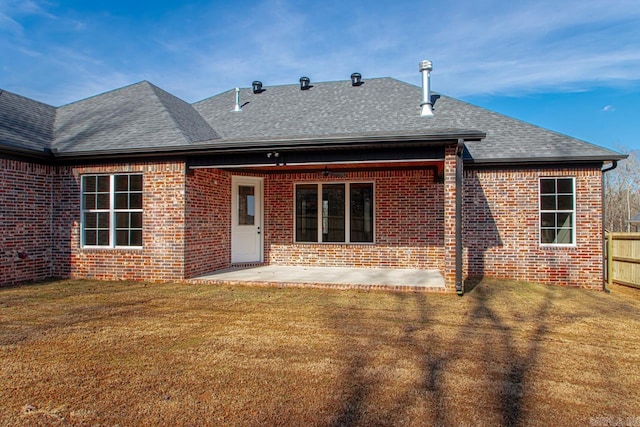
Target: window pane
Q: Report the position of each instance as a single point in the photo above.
(103, 201)
(565, 203)
(565, 185)
(90, 220)
(548, 186)
(89, 183)
(135, 201)
(136, 220)
(103, 184)
(333, 213)
(103, 237)
(103, 220)
(246, 205)
(122, 238)
(90, 237)
(122, 182)
(136, 238)
(548, 203)
(122, 220)
(361, 199)
(89, 201)
(122, 201)
(548, 220)
(564, 220)
(547, 235)
(307, 213)
(564, 236)
(135, 182)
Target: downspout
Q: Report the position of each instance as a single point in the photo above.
(459, 186)
(614, 164)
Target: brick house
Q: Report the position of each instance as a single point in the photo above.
(138, 184)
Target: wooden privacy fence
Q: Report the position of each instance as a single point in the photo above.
(623, 258)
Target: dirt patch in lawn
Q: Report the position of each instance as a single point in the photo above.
(507, 353)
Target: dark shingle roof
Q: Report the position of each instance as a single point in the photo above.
(140, 116)
(512, 140)
(385, 106)
(145, 119)
(25, 124)
(379, 106)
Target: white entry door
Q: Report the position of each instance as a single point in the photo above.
(246, 231)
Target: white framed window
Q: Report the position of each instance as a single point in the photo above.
(111, 210)
(334, 212)
(557, 211)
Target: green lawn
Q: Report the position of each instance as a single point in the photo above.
(507, 353)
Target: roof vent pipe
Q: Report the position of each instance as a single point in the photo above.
(426, 108)
(305, 83)
(257, 86)
(356, 79)
(237, 107)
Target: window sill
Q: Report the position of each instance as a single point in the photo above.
(337, 243)
(111, 248)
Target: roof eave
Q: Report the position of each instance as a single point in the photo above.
(544, 160)
(12, 150)
(250, 145)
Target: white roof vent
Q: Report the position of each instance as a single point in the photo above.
(237, 107)
(426, 108)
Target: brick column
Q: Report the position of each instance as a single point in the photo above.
(450, 190)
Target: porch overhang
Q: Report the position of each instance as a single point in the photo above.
(228, 152)
(338, 150)
(276, 158)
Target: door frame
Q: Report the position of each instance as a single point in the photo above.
(258, 182)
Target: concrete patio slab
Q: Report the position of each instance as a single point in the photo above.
(340, 277)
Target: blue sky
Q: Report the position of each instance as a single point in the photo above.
(569, 65)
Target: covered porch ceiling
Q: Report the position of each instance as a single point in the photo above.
(339, 168)
(362, 158)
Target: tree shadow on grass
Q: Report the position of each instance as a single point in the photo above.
(502, 347)
(514, 382)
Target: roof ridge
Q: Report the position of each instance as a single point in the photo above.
(140, 83)
(289, 85)
(36, 119)
(26, 98)
(178, 125)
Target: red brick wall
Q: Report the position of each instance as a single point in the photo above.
(501, 228)
(66, 220)
(208, 226)
(162, 255)
(187, 224)
(25, 221)
(408, 222)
